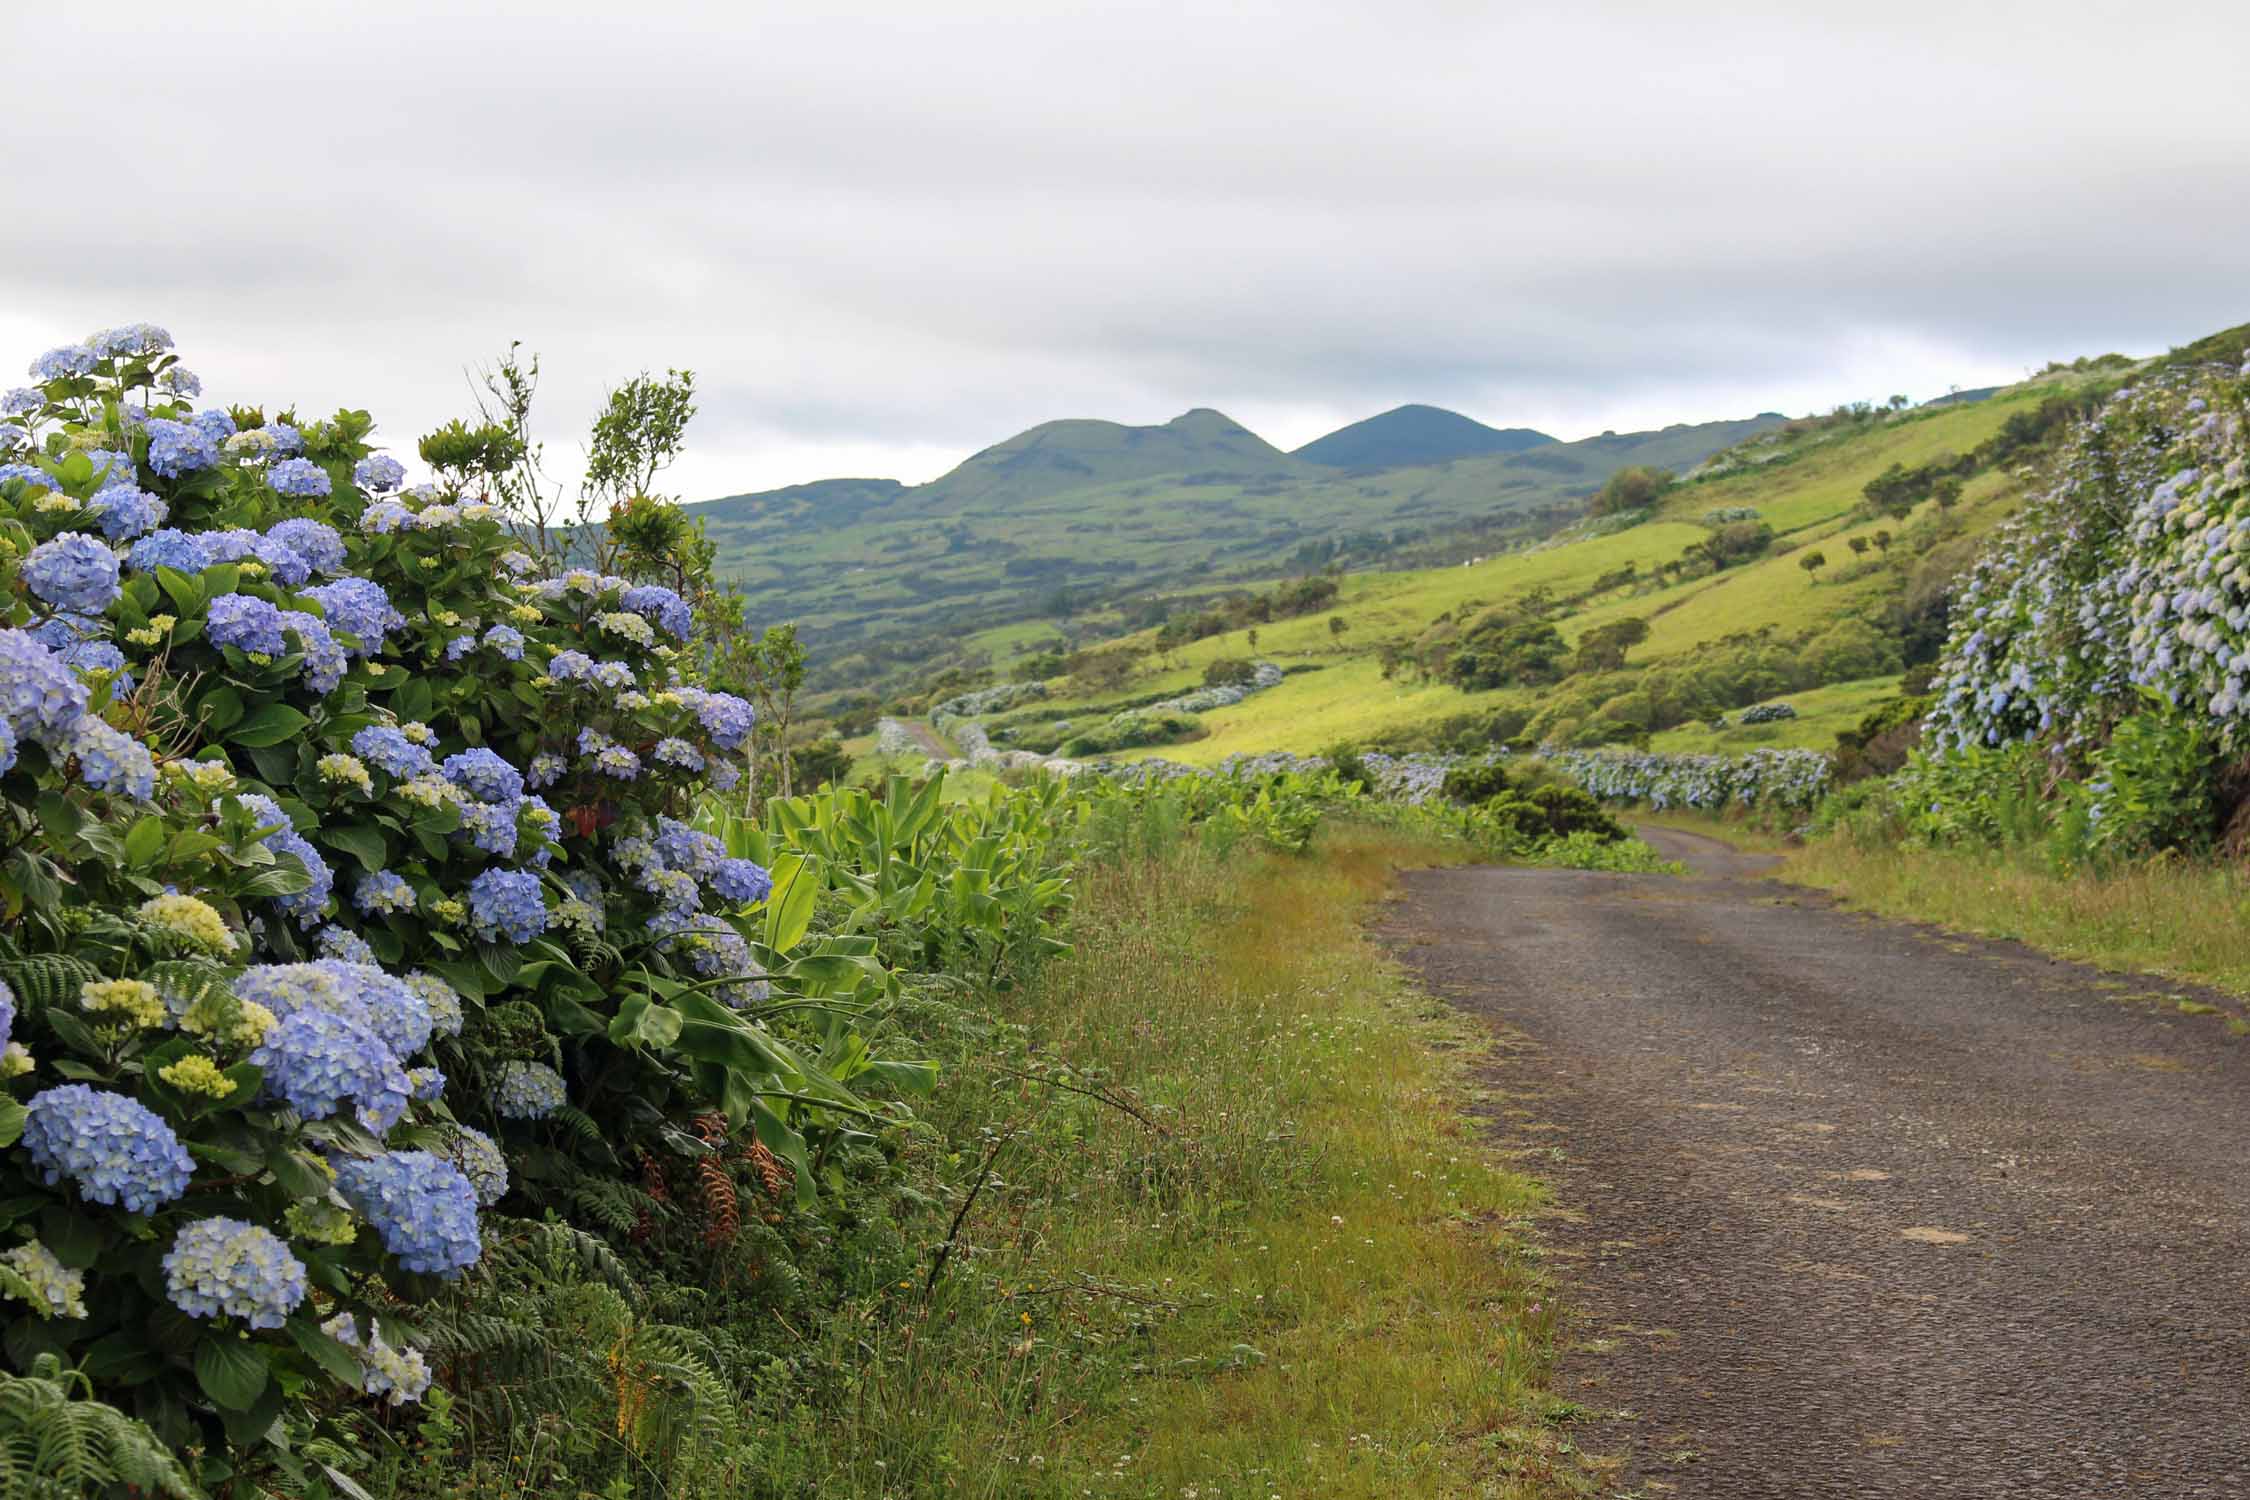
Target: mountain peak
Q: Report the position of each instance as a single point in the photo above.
(1415, 434)
(1077, 453)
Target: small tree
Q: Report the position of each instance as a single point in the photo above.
(1636, 487)
(776, 667)
(1813, 562)
(1882, 541)
(1251, 636)
(1337, 625)
(1947, 494)
(1859, 546)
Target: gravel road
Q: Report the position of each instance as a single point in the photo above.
(1853, 1207)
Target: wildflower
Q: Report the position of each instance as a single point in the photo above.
(115, 1149)
(73, 572)
(345, 770)
(197, 1074)
(527, 1091)
(422, 1207)
(133, 1001)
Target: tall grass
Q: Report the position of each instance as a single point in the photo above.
(2182, 918)
(1230, 1234)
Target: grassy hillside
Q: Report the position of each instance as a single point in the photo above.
(884, 578)
(1807, 486)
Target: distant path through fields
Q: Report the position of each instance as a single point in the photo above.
(1850, 1207)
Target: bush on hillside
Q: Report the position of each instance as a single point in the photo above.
(1636, 487)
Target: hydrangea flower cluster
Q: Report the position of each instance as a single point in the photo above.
(115, 1149)
(422, 1207)
(403, 1375)
(2130, 571)
(223, 1267)
(56, 1290)
(1792, 779)
(527, 1091)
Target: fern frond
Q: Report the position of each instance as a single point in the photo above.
(55, 1442)
(47, 980)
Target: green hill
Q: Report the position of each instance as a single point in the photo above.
(1375, 664)
(1410, 435)
(887, 580)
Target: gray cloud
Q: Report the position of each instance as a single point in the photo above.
(886, 235)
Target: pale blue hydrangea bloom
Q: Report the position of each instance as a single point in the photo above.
(215, 424)
(460, 646)
(443, 1000)
(115, 1149)
(378, 472)
(245, 622)
(678, 752)
(299, 476)
(479, 1159)
(484, 776)
(66, 363)
(617, 762)
(384, 893)
(315, 1061)
(385, 517)
(547, 768)
(175, 448)
(507, 904)
(685, 848)
(170, 549)
(85, 656)
(41, 698)
(391, 752)
(57, 1291)
(726, 718)
(73, 572)
(401, 1374)
(30, 474)
(325, 661)
(286, 439)
(490, 826)
(305, 905)
(7, 1012)
(423, 1209)
(343, 944)
(109, 760)
(741, 880)
(527, 1091)
(663, 606)
(125, 512)
(23, 401)
(317, 543)
(426, 1084)
(507, 640)
(226, 1268)
(571, 666)
(360, 607)
(130, 338)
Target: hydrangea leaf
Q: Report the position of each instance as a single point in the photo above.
(269, 726)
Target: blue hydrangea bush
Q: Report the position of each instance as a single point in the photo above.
(355, 892)
(2104, 636)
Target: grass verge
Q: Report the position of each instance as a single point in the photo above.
(1235, 1235)
(2177, 918)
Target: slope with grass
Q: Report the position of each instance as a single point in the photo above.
(1810, 491)
(1071, 514)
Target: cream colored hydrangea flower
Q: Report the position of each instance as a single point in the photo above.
(191, 919)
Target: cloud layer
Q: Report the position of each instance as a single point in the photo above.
(884, 235)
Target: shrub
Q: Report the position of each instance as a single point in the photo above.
(356, 842)
(1636, 487)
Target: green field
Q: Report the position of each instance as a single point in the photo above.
(1345, 697)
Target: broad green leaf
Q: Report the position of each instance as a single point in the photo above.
(269, 726)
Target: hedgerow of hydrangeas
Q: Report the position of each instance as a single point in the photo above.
(2129, 570)
(233, 653)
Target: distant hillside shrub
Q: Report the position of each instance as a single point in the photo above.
(1134, 728)
(1635, 487)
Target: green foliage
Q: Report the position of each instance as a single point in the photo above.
(57, 1442)
(1635, 487)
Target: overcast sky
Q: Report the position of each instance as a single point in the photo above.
(887, 235)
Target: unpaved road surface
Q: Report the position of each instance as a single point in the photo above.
(1852, 1207)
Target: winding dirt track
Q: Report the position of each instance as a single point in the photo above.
(1852, 1207)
